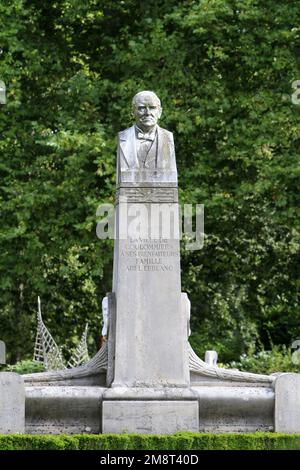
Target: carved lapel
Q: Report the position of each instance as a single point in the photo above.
(128, 148)
(161, 148)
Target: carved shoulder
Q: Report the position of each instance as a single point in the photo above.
(168, 135)
(123, 135)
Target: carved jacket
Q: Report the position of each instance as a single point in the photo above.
(162, 159)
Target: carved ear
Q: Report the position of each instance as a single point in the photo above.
(160, 112)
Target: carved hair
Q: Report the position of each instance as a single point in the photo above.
(151, 93)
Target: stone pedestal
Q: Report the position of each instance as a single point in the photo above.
(148, 336)
(150, 410)
(287, 403)
(12, 403)
(151, 326)
(150, 417)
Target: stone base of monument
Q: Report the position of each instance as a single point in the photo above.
(208, 405)
(12, 403)
(150, 410)
(217, 400)
(92, 409)
(149, 417)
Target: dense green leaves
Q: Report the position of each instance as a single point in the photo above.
(180, 441)
(223, 69)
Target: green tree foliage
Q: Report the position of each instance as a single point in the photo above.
(223, 69)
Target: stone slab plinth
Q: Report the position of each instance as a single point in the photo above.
(149, 417)
(12, 403)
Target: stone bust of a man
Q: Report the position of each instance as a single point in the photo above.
(145, 150)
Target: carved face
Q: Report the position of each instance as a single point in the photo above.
(147, 111)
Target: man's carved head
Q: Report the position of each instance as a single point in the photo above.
(147, 109)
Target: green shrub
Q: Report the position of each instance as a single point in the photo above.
(279, 359)
(24, 367)
(178, 441)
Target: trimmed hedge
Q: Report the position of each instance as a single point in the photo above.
(178, 441)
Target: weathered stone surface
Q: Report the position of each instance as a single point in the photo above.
(79, 409)
(150, 417)
(111, 339)
(59, 410)
(235, 409)
(149, 193)
(150, 393)
(151, 328)
(287, 403)
(12, 403)
(145, 176)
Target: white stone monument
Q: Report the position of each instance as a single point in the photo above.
(146, 378)
(151, 339)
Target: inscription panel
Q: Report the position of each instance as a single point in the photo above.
(149, 255)
(147, 194)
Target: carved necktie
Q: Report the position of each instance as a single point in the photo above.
(145, 142)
